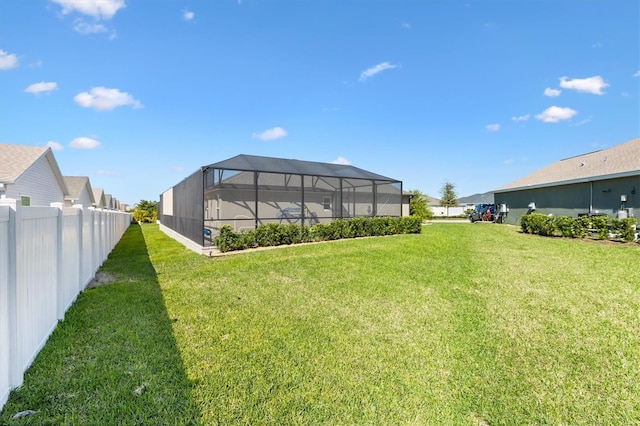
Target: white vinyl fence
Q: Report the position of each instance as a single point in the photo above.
(48, 255)
(447, 211)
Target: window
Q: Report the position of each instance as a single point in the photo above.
(326, 203)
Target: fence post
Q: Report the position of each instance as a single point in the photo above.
(16, 375)
(80, 225)
(59, 260)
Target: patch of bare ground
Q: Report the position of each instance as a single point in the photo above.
(101, 279)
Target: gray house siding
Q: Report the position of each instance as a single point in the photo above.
(597, 196)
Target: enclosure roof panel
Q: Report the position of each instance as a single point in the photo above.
(298, 167)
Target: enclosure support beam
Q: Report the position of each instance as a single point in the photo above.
(401, 199)
(375, 201)
(303, 206)
(340, 199)
(255, 187)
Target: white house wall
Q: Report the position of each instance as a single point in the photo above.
(38, 183)
(84, 200)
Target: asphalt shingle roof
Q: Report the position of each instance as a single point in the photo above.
(75, 185)
(620, 160)
(16, 159)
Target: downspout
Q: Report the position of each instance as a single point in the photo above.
(590, 196)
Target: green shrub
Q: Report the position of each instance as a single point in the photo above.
(538, 223)
(319, 232)
(628, 229)
(601, 225)
(409, 225)
(227, 239)
(247, 239)
(566, 226)
(274, 234)
(357, 227)
(583, 223)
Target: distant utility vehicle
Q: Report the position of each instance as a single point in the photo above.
(483, 212)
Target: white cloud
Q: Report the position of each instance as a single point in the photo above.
(105, 173)
(7, 60)
(270, 134)
(98, 9)
(552, 93)
(508, 161)
(188, 15)
(637, 74)
(555, 114)
(55, 146)
(370, 72)
(585, 121)
(84, 143)
(406, 25)
(177, 169)
(521, 118)
(592, 85)
(492, 127)
(597, 45)
(104, 99)
(80, 26)
(341, 160)
(41, 87)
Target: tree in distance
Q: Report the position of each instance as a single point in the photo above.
(146, 211)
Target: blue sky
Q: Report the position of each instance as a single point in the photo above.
(138, 94)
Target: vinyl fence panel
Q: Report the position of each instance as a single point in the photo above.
(47, 257)
(89, 265)
(5, 328)
(36, 275)
(70, 258)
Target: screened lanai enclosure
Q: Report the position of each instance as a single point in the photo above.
(246, 191)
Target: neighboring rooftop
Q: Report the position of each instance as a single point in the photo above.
(486, 198)
(618, 161)
(299, 167)
(75, 185)
(98, 196)
(15, 160)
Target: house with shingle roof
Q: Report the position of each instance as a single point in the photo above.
(107, 201)
(98, 197)
(80, 191)
(31, 174)
(604, 182)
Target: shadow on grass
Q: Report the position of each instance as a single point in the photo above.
(114, 359)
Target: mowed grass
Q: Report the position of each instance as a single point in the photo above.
(464, 324)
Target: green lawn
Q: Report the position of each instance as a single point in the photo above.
(463, 324)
